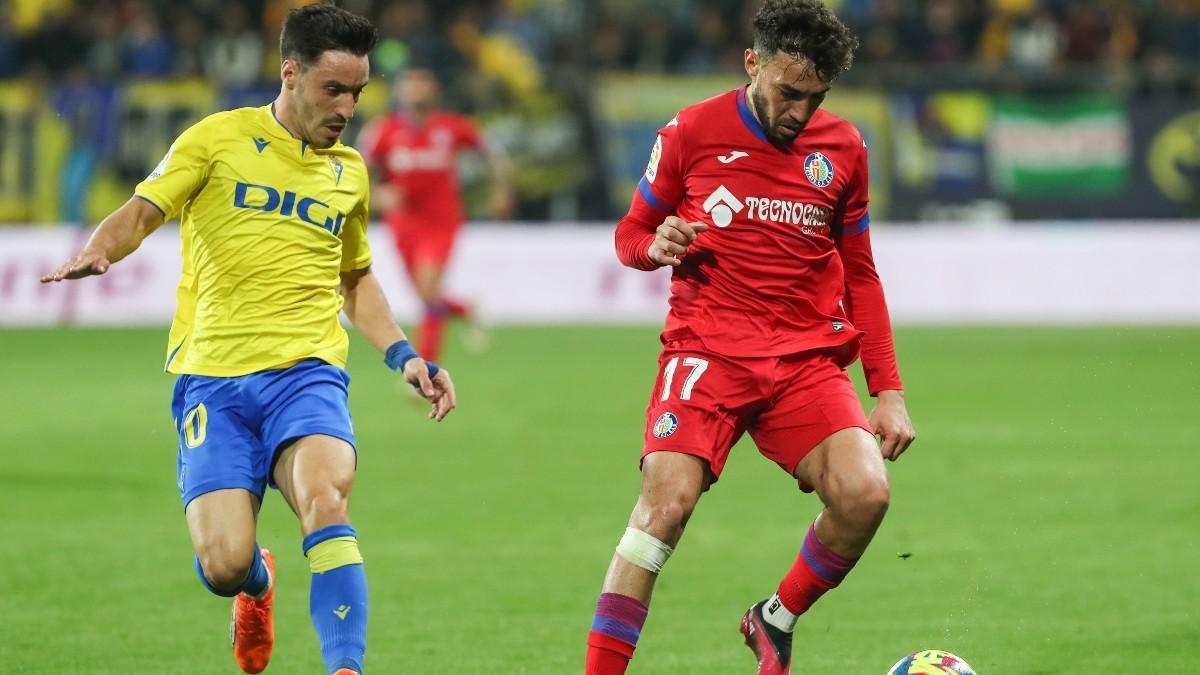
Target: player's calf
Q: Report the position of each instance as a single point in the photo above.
(619, 618)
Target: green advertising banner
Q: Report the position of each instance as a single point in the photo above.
(1067, 148)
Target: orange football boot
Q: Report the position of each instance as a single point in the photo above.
(345, 671)
(252, 629)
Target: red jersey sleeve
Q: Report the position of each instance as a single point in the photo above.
(864, 301)
(656, 196)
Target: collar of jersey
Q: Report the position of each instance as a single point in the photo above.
(748, 117)
(281, 131)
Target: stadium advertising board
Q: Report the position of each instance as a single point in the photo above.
(517, 274)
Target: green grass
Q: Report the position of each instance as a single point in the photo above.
(1051, 507)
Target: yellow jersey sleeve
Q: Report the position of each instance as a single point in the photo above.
(356, 251)
(182, 172)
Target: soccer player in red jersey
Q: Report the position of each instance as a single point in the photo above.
(413, 155)
(758, 200)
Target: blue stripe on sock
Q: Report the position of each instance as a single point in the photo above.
(822, 571)
(325, 534)
(618, 629)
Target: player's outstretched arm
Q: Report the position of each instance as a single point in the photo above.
(116, 237)
(367, 308)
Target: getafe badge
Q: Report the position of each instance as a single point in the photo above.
(665, 425)
(818, 169)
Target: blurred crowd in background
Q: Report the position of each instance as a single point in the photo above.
(575, 89)
(517, 41)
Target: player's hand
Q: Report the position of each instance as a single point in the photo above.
(671, 240)
(86, 264)
(439, 390)
(890, 421)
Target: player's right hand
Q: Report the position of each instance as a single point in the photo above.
(86, 264)
(671, 240)
(438, 390)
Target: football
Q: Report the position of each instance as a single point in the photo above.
(931, 662)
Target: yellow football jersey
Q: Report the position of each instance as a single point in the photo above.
(267, 225)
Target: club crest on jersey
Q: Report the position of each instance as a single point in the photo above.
(665, 425)
(337, 170)
(818, 169)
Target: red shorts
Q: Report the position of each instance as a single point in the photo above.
(703, 402)
(420, 241)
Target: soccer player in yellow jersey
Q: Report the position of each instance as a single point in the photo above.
(274, 213)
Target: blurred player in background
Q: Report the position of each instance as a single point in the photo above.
(274, 212)
(413, 155)
(758, 200)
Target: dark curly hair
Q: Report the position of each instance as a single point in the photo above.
(312, 30)
(805, 28)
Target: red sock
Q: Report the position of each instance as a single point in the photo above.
(455, 308)
(816, 570)
(615, 630)
(607, 655)
(429, 336)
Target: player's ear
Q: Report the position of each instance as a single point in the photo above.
(751, 63)
(288, 71)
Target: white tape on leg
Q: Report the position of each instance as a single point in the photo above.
(643, 550)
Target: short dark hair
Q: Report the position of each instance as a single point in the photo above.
(312, 30)
(805, 28)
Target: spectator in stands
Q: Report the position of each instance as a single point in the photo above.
(234, 55)
(146, 49)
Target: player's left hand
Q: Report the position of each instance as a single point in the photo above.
(891, 424)
(439, 390)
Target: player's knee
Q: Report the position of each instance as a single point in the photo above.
(665, 517)
(325, 507)
(864, 499)
(224, 569)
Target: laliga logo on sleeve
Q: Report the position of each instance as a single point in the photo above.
(819, 169)
(722, 206)
(655, 155)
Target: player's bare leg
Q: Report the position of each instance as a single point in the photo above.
(222, 526)
(849, 476)
(671, 485)
(315, 475)
(847, 472)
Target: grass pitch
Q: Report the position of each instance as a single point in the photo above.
(1049, 509)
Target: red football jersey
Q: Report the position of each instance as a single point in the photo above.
(786, 263)
(421, 160)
